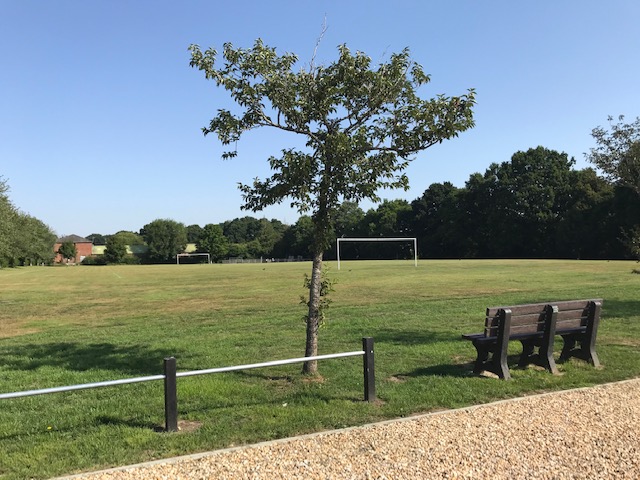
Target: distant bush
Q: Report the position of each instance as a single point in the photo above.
(94, 261)
(130, 260)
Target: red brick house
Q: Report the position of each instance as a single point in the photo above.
(83, 248)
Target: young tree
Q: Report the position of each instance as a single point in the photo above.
(361, 125)
(67, 250)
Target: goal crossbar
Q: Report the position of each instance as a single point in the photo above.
(380, 239)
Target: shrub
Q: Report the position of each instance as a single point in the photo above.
(94, 260)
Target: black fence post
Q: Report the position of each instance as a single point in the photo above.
(369, 370)
(170, 395)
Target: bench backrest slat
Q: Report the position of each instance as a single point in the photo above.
(530, 318)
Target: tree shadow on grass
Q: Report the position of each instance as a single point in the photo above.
(410, 337)
(125, 359)
(620, 308)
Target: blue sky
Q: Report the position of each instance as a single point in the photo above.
(101, 115)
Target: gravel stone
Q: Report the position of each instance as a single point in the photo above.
(590, 433)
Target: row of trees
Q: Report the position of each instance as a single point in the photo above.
(24, 240)
(534, 206)
(162, 239)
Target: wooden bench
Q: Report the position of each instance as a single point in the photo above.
(535, 325)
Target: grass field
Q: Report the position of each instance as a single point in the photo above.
(63, 326)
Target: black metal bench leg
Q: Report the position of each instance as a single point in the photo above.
(588, 353)
(481, 358)
(527, 352)
(545, 352)
(588, 345)
(569, 342)
(502, 344)
(501, 368)
(547, 361)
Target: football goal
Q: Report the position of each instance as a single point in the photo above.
(192, 255)
(375, 239)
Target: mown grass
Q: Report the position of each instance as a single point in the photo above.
(62, 326)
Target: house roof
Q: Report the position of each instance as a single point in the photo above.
(73, 239)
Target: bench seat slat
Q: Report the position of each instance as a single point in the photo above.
(574, 323)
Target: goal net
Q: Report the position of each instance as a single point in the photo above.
(375, 239)
(180, 255)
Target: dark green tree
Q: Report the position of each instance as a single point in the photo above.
(523, 200)
(361, 126)
(24, 240)
(392, 218)
(67, 251)
(301, 237)
(8, 215)
(97, 239)
(116, 250)
(238, 250)
(194, 233)
(241, 230)
(348, 220)
(130, 238)
(267, 238)
(438, 221)
(213, 242)
(165, 239)
(588, 225)
(36, 241)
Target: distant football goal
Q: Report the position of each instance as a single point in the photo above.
(182, 255)
(379, 239)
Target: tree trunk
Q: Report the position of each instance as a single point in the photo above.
(313, 320)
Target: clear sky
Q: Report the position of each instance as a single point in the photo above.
(101, 115)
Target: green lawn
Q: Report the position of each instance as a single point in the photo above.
(69, 325)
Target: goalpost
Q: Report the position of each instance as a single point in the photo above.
(192, 255)
(374, 239)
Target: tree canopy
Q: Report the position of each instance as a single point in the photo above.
(165, 239)
(617, 152)
(24, 240)
(361, 125)
(116, 250)
(67, 250)
(213, 242)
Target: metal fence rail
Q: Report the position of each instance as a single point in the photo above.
(170, 376)
(83, 386)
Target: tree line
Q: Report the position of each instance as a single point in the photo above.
(24, 240)
(534, 206)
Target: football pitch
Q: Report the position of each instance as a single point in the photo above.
(74, 325)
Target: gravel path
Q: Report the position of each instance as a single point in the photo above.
(591, 433)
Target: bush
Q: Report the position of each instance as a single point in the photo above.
(130, 260)
(94, 260)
